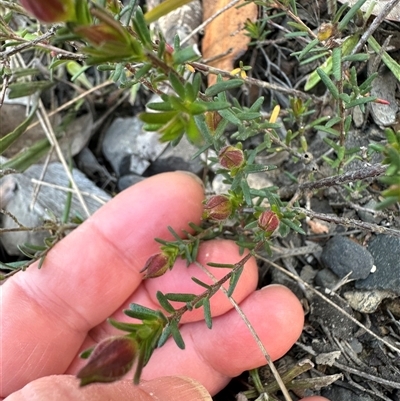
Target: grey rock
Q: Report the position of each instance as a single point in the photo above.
(178, 157)
(325, 278)
(331, 318)
(129, 148)
(50, 202)
(336, 393)
(384, 86)
(385, 250)
(370, 216)
(128, 180)
(343, 256)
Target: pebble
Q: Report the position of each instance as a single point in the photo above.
(343, 256)
(385, 250)
(336, 393)
(130, 149)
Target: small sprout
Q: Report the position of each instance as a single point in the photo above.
(268, 221)
(157, 265)
(231, 157)
(50, 10)
(218, 208)
(111, 359)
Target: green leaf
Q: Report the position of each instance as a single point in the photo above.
(234, 280)
(359, 101)
(180, 297)
(177, 85)
(350, 14)
(347, 46)
(142, 313)
(201, 283)
(228, 115)
(21, 89)
(292, 225)
(223, 86)
(221, 265)
(307, 48)
(185, 55)
(29, 156)
(141, 28)
(389, 61)
(207, 313)
(328, 83)
(176, 335)
(337, 63)
(248, 115)
(10, 138)
(162, 299)
(157, 118)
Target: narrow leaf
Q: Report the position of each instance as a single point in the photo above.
(223, 86)
(233, 281)
(328, 83)
(9, 139)
(176, 335)
(207, 313)
(162, 299)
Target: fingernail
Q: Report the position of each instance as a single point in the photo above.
(194, 176)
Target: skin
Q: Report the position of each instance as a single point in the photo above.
(54, 313)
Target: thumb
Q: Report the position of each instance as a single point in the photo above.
(66, 388)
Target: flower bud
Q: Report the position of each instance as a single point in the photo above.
(268, 221)
(110, 361)
(50, 10)
(156, 265)
(218, 207)
(231, 157)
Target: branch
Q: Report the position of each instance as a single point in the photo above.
(372, 171)
(344, 221)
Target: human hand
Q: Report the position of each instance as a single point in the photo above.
(51, 315)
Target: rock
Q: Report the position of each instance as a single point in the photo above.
(331, 318)
(367, 301)
(49, 202)
(128, 180)
(371, 216)
(325, 278)
(129, 148)
(336, 393)
(384, 86)
(343, 256)
(178, 157)
(385, 250)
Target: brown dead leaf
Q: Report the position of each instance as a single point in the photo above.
(317, 227)
(224, 33)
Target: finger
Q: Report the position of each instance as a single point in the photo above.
(88, 275)
(314, 398)
(66, 388)
(214, 356)
(179, 281)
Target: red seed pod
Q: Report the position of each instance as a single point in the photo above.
(110, 361)
(50, 10)
(218, 207)
(156, 265)
(231, 157)
(268, 221)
